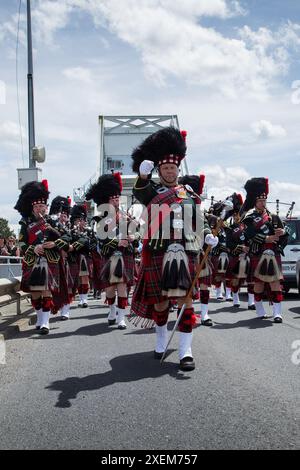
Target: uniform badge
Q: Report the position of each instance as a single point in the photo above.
(181, 193)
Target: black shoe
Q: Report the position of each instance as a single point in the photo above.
(111, 322)
(44, 330)
(187, 363)
(37, 327)
(207, 322)
(236, 305)
(263, 317)
(122, 327)
(277, 320)
(63, 318)
(251, 307)
(158, 355)
(84, 305)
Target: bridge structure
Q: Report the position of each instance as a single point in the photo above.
(118, 136)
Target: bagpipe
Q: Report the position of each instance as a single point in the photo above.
(46, 228)
(36, 232)
(54, 228)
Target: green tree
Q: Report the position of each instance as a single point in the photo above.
(5, 231)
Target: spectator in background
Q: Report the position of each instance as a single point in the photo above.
(12, 248)
(3, 249)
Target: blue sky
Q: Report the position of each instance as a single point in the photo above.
(226, 68)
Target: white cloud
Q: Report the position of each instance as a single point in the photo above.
(2, 92)
(10, 135)
(10, 129)
(265, 129)
(8, 29)
(49, 17)
(80, 74)
(288, 35)
(286, 191)
(173, 44)
(222, 181)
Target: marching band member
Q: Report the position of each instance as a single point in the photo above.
(205, 277)
(267, 238)
(41, 247)
(59, 215)
(219, 254)
(239, 262)
(169, 260)
(79, 254)
(116, 264)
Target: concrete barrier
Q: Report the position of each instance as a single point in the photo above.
(10, 292)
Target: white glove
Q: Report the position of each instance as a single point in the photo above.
(211, 240)
(146, 167)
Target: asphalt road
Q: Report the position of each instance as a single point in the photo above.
(90, 386)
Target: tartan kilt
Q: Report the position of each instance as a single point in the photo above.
(60, 295)
(74, 274)
(207, 278)
(216, 277)
(54, 277)
(254, 260)
(147, 291)
(233, 261)
(98, 264)
(69, 277)
(89, 263)
(137, 264)
(26, 271)
(74, 270)
(129, 267)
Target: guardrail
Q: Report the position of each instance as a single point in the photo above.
(10, 280)
(10, 267)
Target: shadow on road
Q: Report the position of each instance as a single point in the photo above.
(90, 330)
(229, 308)
(127, 368)
(252, 324)
(295, 310)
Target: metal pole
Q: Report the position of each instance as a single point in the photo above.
(31, 132)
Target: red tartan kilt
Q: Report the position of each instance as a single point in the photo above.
(26, 271)
(69, 277)
(217, 277)
(54, 276)
(89, 263)
(74, 274)
(233, 261)
(60, 295)
(54, 273)
(148, 288)
(98, 264)
(137, 265)
(128, 268)
(75, 269)
(254, 260)
(206, 280)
